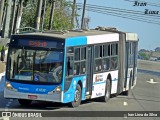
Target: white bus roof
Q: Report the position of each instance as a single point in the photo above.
(78, 33)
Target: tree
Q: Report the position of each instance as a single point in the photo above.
(144, 55)
(62, 15)
(157, 49)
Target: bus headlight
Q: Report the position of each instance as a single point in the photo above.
(9, 86)
(56, 90)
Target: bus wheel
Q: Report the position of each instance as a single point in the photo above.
(77, 97)
(107, 92)
(24, 102)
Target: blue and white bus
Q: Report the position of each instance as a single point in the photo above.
(94, 64)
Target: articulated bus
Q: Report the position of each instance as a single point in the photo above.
(90, 64)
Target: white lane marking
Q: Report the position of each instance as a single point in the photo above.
(9, 102)
(125, 103)
(125, 116)
(152, 81)
(6, 109)
(4, 118)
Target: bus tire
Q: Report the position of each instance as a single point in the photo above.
(24, 102)
(126, 93)
(107, 92)
(77, 97)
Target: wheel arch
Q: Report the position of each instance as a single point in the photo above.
(81, 85)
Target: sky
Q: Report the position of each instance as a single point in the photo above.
(149, 34)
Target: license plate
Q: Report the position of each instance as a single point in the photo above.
(33, 97)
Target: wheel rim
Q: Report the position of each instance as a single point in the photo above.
(77, 95)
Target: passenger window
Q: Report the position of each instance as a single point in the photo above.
(80, 61)
(98, 51)
(77, 68)
(114, 62)
(69, 64)
(106, 64)
(114, 49)
(106, 50)
(77, 54)
(98, 65)
(83, 53)
(83, 67)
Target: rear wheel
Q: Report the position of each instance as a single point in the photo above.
(107, 92)
(24, 102)
(77, 97)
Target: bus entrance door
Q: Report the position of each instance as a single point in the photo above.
(89, 70)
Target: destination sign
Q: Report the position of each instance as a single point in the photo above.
(40, 43)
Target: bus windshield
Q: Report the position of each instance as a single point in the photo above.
(36, 65)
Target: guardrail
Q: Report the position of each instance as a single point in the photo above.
(149, 72)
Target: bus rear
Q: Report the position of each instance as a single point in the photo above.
(30, 68)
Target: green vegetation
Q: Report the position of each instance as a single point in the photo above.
(145, 55)
(2, 46)
(62, 14)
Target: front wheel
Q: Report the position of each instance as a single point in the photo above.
(77, 97)
(24, 102)
(107, 92)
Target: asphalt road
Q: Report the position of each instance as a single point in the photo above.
(144, 97)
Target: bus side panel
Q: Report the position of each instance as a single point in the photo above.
(129, 72)
(135, 46)
(69, 94)
(68, 86)
(99, 83)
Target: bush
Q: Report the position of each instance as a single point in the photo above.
(2, 46)
(145, 55)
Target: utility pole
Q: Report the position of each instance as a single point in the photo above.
(83, 14)
(13, 16)
(5, 32)
(51, 15)
(1, 12)
(17, 20)
(38, 15)
(73, 12)
(44, 11)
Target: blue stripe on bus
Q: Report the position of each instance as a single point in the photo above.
(99, 83)
(76, 41)
(35, 89)
(114, 79)
(103, 82)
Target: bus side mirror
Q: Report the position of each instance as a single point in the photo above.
(7, 44)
